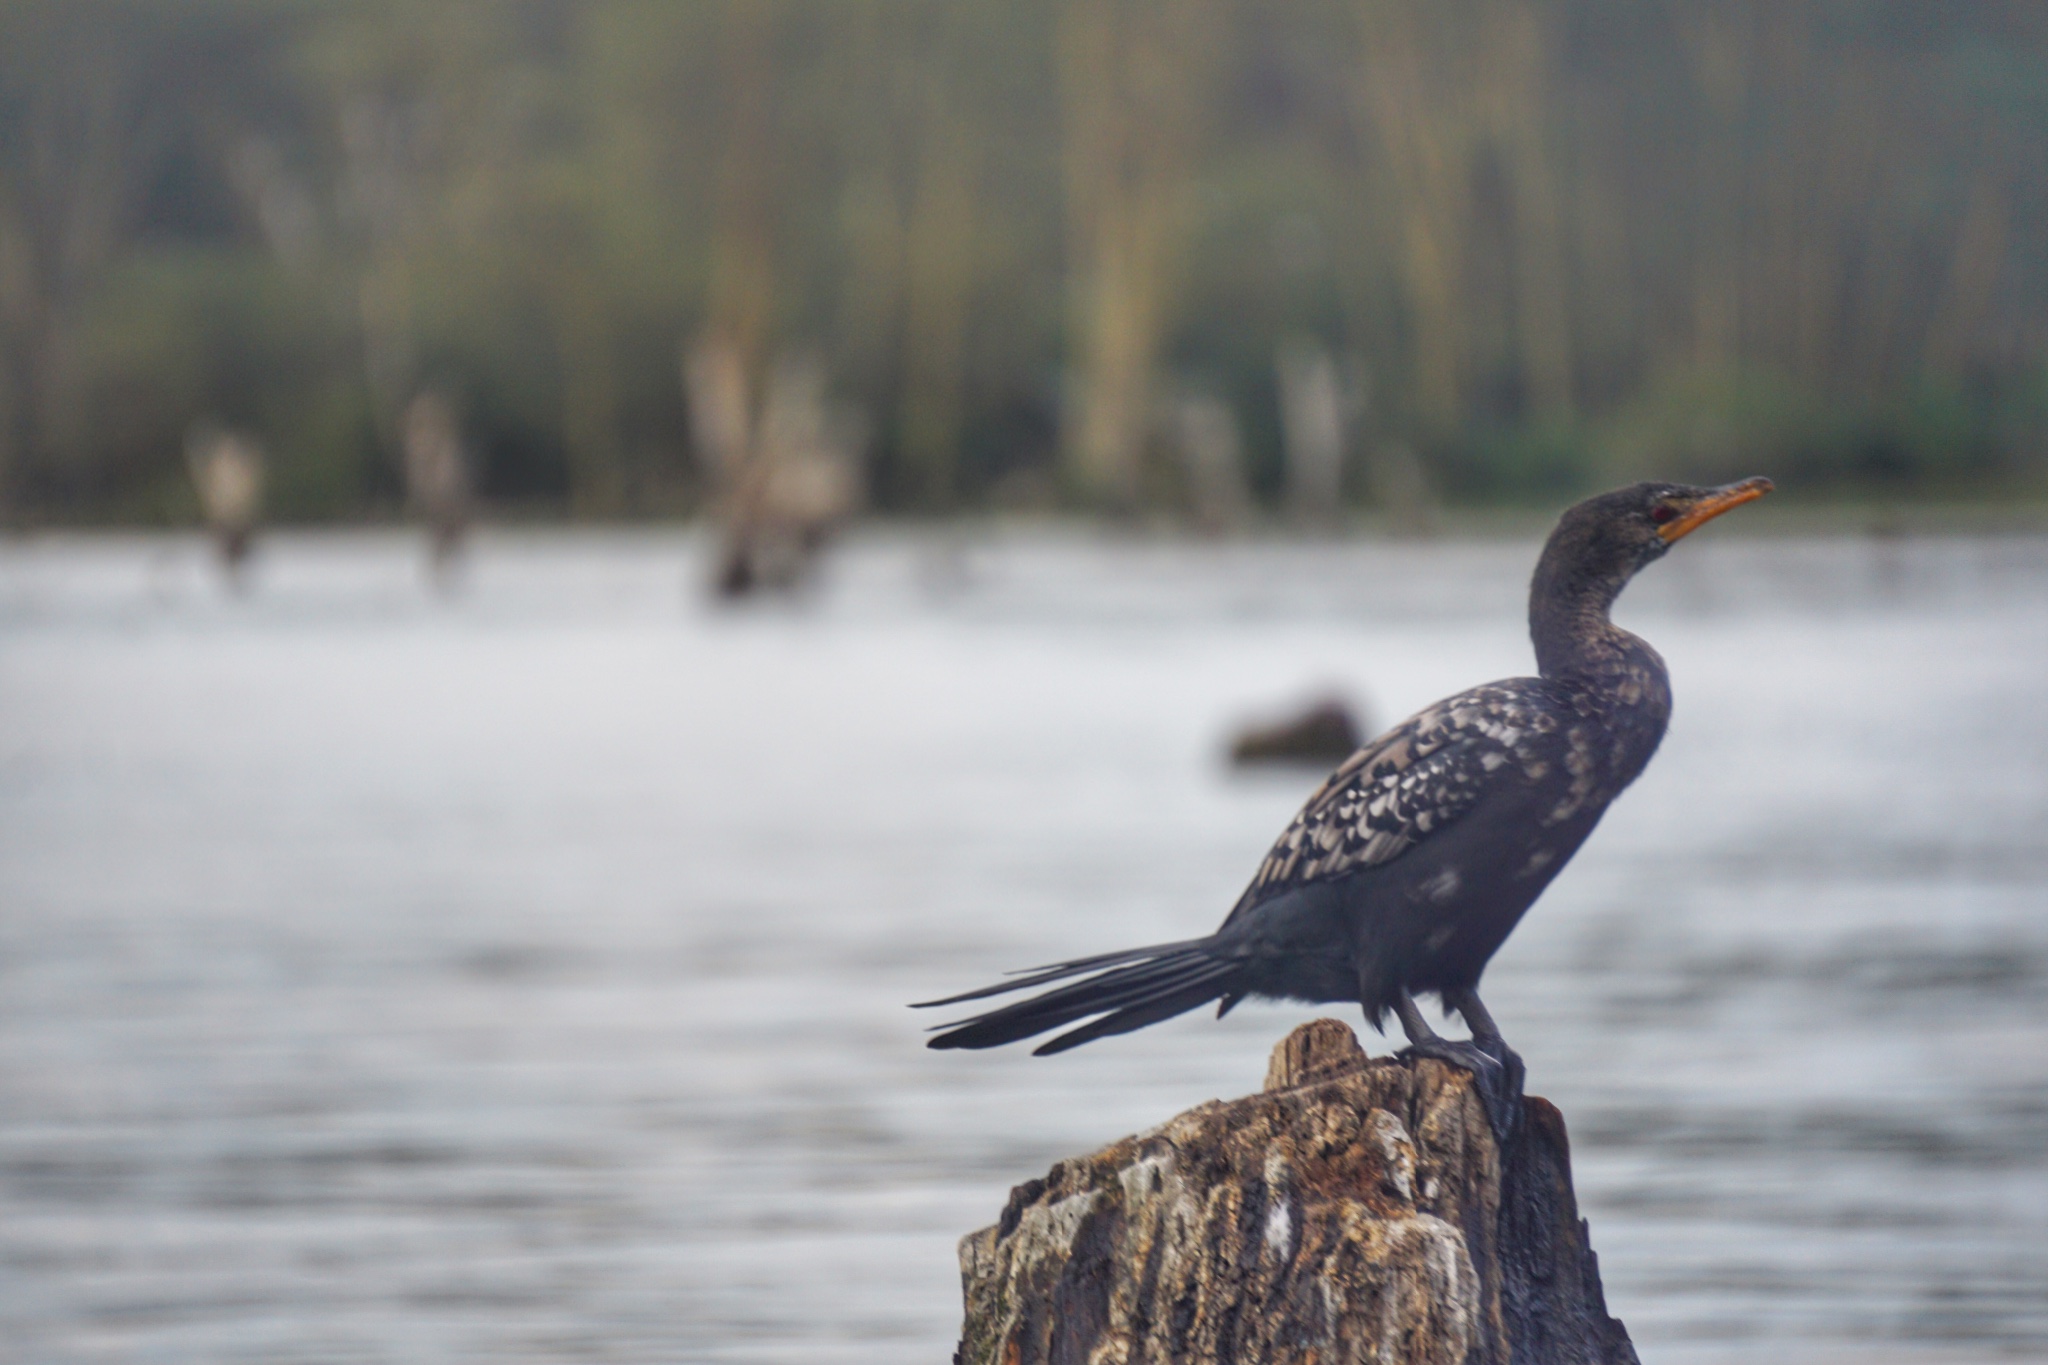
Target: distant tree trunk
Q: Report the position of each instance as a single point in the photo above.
(227, 470)
(741, 307)
(1975, 267)
(940, 273)
(590, 393)
(1212, 461)
(380, 161)
(873, 218)
(1313, 419)
(390, 361)
(87, 139)
(1794, 224)
(25, 401)
(1133, 82)
(1411, 106)
(726, 363)
(1717, 38)
(1876, 239)
(1119, 341)
(1515, 76)
(437, 478)
(1443, 91)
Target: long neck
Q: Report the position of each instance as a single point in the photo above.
(1568, 618)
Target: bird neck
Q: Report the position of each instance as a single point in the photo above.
(1570, 626)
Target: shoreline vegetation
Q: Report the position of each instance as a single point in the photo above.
(1812, 518)
(1216, 262)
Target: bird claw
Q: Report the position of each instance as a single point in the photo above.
(1497, 1074)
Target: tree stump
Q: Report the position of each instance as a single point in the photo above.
(1356, 1210)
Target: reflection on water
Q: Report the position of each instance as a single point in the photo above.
(521, 976)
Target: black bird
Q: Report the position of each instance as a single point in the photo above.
(1410, 865)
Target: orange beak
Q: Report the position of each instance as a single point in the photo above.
(1714, 504)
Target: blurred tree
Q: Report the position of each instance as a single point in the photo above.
(741, 309)
(1568, 240)
(939, 269)
(442, 136)
(1136, 81)
(83, 132)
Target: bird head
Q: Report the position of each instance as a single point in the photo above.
(1612, 536)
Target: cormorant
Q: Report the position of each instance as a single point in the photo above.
(1410, 865)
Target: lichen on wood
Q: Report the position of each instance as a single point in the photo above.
(1355, 1210)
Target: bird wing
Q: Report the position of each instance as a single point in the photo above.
(1410, 782)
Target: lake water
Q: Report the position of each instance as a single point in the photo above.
(520, 974)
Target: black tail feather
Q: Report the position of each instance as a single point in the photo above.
(1195, 993)
(1027, 977)
(1115, 990)
(1158, 983)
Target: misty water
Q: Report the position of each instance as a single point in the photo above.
(520, 974)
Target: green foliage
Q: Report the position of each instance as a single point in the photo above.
(1540, 462)
(177, 334)
(1551, 242)
(1933, 433)
(1713, 426)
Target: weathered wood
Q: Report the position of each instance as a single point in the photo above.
(1356, 1210)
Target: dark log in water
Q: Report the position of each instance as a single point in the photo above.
(1356, 1210)
(1323, 734)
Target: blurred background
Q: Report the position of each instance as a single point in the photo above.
(440, 921)
(1036, 254)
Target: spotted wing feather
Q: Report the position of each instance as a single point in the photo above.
(1410, 782)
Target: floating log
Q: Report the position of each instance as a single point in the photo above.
(1356, 1210)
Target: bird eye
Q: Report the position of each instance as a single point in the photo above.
(1663, 512)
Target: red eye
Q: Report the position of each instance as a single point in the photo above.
(1662, 513)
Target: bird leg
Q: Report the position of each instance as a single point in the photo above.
(1486, 1037)
(1476, 1017)
(1496, 1068)
(1420, 1034)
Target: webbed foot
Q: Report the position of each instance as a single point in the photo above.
(1497, 1074)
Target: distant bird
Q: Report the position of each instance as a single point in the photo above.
(227, 474)
(1412, 863)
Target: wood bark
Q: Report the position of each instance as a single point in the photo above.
(1356, 1210)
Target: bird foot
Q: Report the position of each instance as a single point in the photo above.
(1497, 1075)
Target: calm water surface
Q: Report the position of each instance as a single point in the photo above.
(521, 975)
